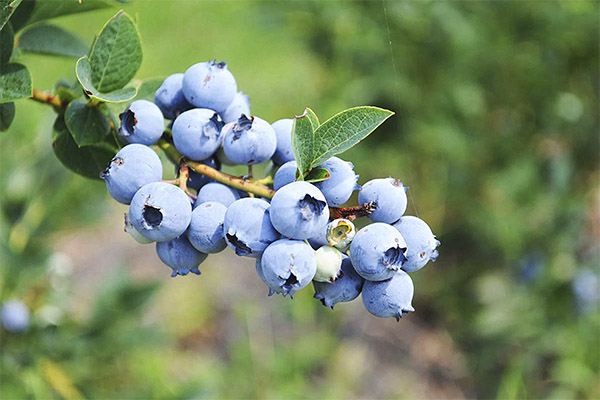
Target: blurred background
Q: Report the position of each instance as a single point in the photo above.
(496, 133)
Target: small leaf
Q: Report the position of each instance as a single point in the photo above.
(50, 39)
(7, 8)
(15, 82)
(116, 54)
(84, 75)
(317, 175)
(148, 88)
(87, 123)
(88, 161)
(7, 113)
(7, 41)
(303, 141)
(344, 130)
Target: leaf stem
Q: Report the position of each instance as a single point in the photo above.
(47, 98)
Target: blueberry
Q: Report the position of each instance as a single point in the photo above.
(586, 287)
(249, 141)
(206, 227)
(209, 85)
(421, 244)
(129, 228)
(169, 97)
(197, 133)
(299, 211)
(338, 188)
(217, 192)
(340, 233)
(329, 262)
(240, 105)
(196, 180)
(288, 265)
(389, 197)
(160, 211)
(247, 227)
(142, 123)
(377, 251)
(285, 174)
(346, 288)
(285, 151)
(134, 166)
(15, 316)
(180, 255)
(389, 298)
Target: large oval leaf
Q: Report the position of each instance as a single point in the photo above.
(83, 70)
(87, 123)
(50, 39)
(15, 82)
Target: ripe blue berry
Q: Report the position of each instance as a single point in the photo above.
(15, 316)
(249, 141)
(217, 192)
(346, 288)
(132, 167)
(205, 232)
(209, 85)
(389, 197)
(299, 211)
(420, 242)
(288, 265)
(169, 97)
(197, 133)
(389, 298)
(180, 255)
(285, 174)
(283, 131)
(338, 188)
(160, 211)
(142, 123)
(377, 251)
(129, 228)
(240, 105)
(247, 227)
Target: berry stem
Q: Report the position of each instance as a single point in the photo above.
(47, 98)
(352, 213)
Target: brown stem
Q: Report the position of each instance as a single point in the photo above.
(47, 98)
(352, 213)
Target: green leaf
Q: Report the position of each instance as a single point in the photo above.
(50, 39)
(313, 118)
(7, 113)
(88, 161)
(84, 75)
(7, 41)
(317, 175)
(116, 54)
(148, 88)
(344, 130)
(15, 82)
(87, 123)
(7, 8)
(303, 141)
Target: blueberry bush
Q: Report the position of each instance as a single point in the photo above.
(495, 132)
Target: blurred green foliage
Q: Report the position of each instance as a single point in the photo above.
(496, 133)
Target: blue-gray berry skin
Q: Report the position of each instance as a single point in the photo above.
(206, 227)
(320, 238)
(215, 191)
(377, 251)
(160, 211)
(247, 227)
(421, 244)
(239, 105)
(196, 180)
(345, 288)
(338, 188)
(389, 197)
(283, 131)
(261, 275)
(134, 166)
(249, 141)
(285, 174)
(389, 298)
(288, 265)
(209, 85)
(299, 211)
(142, 123)
(15, 316)
(180, 255)
(169, 97)
(197, 133)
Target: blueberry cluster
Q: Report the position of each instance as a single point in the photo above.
(296, 234)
